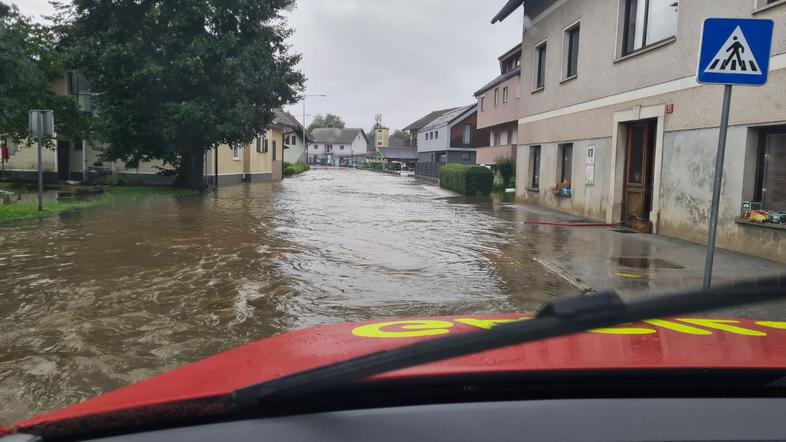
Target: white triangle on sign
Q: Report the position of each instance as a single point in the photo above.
(735, 57)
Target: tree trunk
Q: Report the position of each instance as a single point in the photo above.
(190, 174)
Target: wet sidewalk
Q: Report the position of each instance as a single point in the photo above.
(633, 264)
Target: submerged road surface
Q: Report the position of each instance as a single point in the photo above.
(97, 299)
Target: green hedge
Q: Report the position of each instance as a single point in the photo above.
(295, 169)
(466, 180)
(375, 166)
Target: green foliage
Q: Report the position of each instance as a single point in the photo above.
(375, 166)
(295, 169)
(400, 134)
(178, 77)
(31, 62)
(112, 195)
(506, 167)
(466, 180)
(326, 121)
(499, 183)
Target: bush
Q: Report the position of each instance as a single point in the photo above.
(507, 169)
(499, 183)
(466, 180)
(375, 166)
(295, 169)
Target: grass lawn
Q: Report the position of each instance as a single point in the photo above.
(118, 194)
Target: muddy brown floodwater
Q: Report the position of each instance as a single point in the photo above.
(97, 299)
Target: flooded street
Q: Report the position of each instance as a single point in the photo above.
(100, 298)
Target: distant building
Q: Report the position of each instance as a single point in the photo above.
(498, 110)
(452, 137)
(415, 127)
(338, 147)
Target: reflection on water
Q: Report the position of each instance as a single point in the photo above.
(100, 298)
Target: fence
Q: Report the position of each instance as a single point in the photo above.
(430, 170)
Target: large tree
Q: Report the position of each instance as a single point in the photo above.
(30, 64)
(326, 121)
(178, 77)
(401, 135)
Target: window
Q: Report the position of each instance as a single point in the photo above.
(534, 167)
(259, 144)
(316, 147)
(482, 103)
(540, 66)
(497, 138)
(274, 150)
(341, 147)
(436, 135)
(496, 97)
(467, 135)
(572, 51)
(505, 93)
(510, 136)
(237, 150)
(265, 145)
(771, 173)
(328, 147)
(466, 156)
(763, 3)
(647, 22)
(565, 163)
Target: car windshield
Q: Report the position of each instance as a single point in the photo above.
(183, 178)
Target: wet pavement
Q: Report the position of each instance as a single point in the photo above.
(100, 298)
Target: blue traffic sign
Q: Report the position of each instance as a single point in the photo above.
(735, 51)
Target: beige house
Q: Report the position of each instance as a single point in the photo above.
(612, 111)
(498, 110)
(262, 160)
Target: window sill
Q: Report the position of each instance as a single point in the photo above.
(745, 222)
(567, 79)
(646, 49)
(533, 189)
(538, 90)
(768, 7)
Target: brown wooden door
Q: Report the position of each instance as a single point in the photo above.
(638, 171)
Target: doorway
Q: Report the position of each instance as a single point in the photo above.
(63, 160)
(639, 174)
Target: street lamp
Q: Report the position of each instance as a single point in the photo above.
(305, 143)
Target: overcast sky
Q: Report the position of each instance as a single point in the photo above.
(398, 58)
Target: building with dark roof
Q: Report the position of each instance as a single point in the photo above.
(498, 110)
(338, 147)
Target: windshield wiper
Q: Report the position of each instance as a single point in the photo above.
(560, 318)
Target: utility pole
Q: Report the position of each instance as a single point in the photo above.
(305, 143)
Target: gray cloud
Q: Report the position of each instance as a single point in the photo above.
(400, 58)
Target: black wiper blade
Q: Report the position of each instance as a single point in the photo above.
(560, 318)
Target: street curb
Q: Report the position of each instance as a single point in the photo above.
(570, 279)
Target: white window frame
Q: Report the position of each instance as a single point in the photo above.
(620, 50)
(566, 48)
(505, 94)
(536, 66)
(761, 5)
(237, 152)
(466, 134)
(482, 103)
(496, 97)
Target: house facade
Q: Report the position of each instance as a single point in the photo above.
(612, 111)
(338, 147)
(296, 142)
(450, 138)
(498, 110)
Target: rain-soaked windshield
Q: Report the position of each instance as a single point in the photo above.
(183, 178)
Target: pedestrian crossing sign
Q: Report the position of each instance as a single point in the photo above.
(735, 51)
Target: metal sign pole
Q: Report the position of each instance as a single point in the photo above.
(716, 193)
(40, 166)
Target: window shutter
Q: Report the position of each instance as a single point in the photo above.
(774, 194)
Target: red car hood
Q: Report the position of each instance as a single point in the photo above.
(658, 344)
